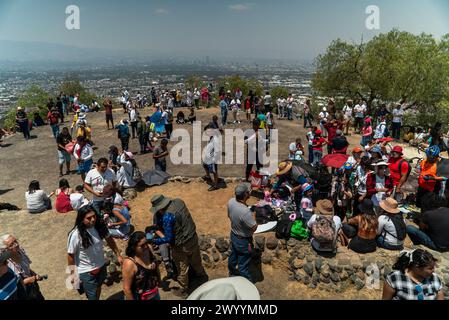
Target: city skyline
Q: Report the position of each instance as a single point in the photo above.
(259, 29)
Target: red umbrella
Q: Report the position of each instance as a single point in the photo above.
(335, 160)
(388, 139)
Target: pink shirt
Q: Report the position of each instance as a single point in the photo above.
(367, 131)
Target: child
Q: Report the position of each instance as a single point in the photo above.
(306, 202)
(310, 136)
(159, 155)
(77, 199)
(192, 117)
(317, 145)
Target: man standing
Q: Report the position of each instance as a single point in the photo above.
(95, 181)
(60, 108)
(289, 103)
(243, 226)
(359, 111)
(253, 156)
(210, 159)
(133, 119)
(183, 239)
(347, 114)
(123, 134)
(63, 139)
(398, 114)
(267, 101)
(399, 168)
(107, 104)
(53, 120)
(22, 121)
(224, 111)
(307, 114)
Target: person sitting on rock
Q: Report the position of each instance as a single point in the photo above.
(37, 200)
(392, 229)
(362, 229)
(62, 203)
(413, 278)
(180, 118)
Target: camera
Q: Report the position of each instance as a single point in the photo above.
(43, 277)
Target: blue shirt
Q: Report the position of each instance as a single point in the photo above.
(9, 283)
(223, 105)
(123, 130)
(166, 224)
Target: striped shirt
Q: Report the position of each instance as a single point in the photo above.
(9, 283)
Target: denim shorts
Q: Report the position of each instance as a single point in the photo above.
(211, 168)
(91, 282)
(63, 156)
(85, 166)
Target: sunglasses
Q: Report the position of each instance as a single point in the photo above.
(420, 291)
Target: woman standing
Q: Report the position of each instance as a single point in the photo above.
(413, 278)
(21, 265)
(367, 133)
(85, 251)
(140, 270)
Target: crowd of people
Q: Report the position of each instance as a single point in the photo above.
(356, 204)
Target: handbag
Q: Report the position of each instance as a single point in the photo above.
(150, 294)
(69, 147)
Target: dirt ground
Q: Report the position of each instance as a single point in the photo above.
(44, 236)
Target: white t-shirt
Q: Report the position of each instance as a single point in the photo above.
(99, 181)
(378, 196)
(323, 115)
(133, 115)
(211, 151)
(397, 115)
(88, 259)
(391, 234)
(347, 110)
(125, 173)
(359, 111)
(292, 149)
(290, 103)
(337, 222)
(36, 200)
(77, 200)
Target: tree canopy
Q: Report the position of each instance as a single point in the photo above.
(396, 66)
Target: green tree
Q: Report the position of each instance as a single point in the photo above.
(193, 82)
(245, 84)
(397, 66)
(74, 86)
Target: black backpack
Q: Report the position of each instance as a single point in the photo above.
(265, 214)
(283, 229)
(399, 225)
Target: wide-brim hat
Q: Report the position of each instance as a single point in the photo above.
(232, 288)
(284, 167)
(390, 205)
(325, 207)
(380, 164)
(159, 202)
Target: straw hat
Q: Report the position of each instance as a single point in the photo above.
(390, 205)
(325, 207)
(284, 167)
(233, 288)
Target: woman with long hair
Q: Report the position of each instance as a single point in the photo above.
(140, 270)
(413, 278)
(85, 251)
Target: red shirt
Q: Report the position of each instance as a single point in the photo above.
(247, 104)
(396, 172)
(108, 108)
(318, 141)
(331, 132)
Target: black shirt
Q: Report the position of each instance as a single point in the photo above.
(63, 140)
(339, 143)
(438, 226)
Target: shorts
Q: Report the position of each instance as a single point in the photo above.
(63, 156)
(91, 282)
(248, 111)
(85, 166)
(109, 117)
(210, 168)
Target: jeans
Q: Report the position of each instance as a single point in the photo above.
(307, 120)
(169, 130)
(289, 114)
(224, 117)
(365, 140)
(317, 156)
(125, 143)
(419, 237)
(55, 130)
(25, 128)
(160, 166)
(91, 282)
(396, 128)
(143, 143)
(310, 154)
(382, 244)
(241, 254)
(134, 128)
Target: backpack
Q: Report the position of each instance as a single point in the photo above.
(323, 231)
(386, 132)
(399, 225)
(409, 167)
(298, 231)
(137, 175)
(283, 229)
(265, 214)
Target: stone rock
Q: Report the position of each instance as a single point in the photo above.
(335, 268)
(200, 180)
(359, 284)
(381, 264)
(325, 271)
(318, 264)
(129, 194)
(324, 279)
(260, 242)
(335, 277)
(205, 258)
(387, 270)
(312, 286)
(178, 178)
(204, 242)
(301, 255)
(224, 256)
(315, 279)
(271, 243)
(291, 277)
(361, 275)
(309, 258)
(291, 242)
(186, 180)
(277, 253)
(306, 280)
(300, 275)
(308, 268)
(282, 245)
(344, 275)
(344, 262)
(216, 256)
(298, 263)
(222, 244)
(228, 180)
(267, 258)
(349, 269)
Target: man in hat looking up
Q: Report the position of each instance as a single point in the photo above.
(183, 240)
(392, 228)
(399, 168)
(243, 226)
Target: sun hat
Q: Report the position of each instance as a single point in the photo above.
(232, 288)
(284, 167)
(19, 108)
(325, 207)
(390, 205)
(159, 202)
(398, 149)
(380, 163)
(348, 166)
(376, 149)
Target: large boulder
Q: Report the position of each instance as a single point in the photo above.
(260, 242)
(271, 243)
(204, 242)
(222, 244)
(129, 194)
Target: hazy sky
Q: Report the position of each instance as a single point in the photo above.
(257, 28)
